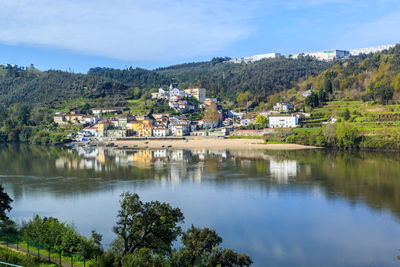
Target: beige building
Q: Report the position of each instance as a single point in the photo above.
(198, 93)
(144, 131)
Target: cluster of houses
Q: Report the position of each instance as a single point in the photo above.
(125, 125)
(179, 100)
(119, 123)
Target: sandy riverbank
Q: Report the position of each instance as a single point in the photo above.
(210, 143)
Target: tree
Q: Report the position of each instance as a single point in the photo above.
(151, 225)
(242, 98)
(327, 86)
(262, 120)
(200, 247)
(227, 257)
(312, 100)
(5, 204)
(346, 114)
(329, 132)
(23, 114)
(383, 93)
(347, 136)
(144, 258)
(86, 109)
(211, 114)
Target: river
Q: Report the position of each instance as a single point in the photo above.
(283, 208)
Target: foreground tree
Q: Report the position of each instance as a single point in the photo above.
(151, 225)
(200, 247)
(5, 204)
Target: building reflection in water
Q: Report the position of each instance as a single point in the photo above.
(176, 165)
(283, 170)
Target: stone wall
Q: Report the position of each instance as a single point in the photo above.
(251, 132)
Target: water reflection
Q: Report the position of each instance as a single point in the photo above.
(299, 208)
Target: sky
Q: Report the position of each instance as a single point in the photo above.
(75, 35)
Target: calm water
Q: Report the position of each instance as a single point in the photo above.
(284, 208)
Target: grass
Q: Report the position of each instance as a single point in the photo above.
(44, 253)
(19, 258)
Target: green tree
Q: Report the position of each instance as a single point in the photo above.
(5, 204)
(383, 93)
(152, 225)
(144, 258)
(312, 100)
(327, 86)
(200, 248)
(346, 114)
(329, 132)
(242, 98)
(86, 109)
(262, 120)
(23, 114)
(347, 136)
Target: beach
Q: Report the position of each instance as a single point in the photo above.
(209, 143)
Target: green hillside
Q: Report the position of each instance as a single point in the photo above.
(373, 77)
(362, 94)
(222, 79)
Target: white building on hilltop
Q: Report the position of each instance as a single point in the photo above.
(368, 50)
(283, 121)
(325, 55)
(254, 58)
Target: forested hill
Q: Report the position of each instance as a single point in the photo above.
(369, 77)
(222, 79)
(226, 80)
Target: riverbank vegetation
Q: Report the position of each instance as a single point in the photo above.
(145, 233)
(24, 124)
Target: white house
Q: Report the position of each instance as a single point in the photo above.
(283, 107)
(283, 121)
(115, 110)
(180, 129)
(161, 132)
(177, 92)
(91, 119)
(90, 131)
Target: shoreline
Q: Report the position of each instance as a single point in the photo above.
(207, 143)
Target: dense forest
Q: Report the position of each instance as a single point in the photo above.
(222, 79)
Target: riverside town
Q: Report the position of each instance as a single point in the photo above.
(199, 133)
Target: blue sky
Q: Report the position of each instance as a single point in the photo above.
(76, 35)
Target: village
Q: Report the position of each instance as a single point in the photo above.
(113, 123)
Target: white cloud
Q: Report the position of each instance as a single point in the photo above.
(128, 30)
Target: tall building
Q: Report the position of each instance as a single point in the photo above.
(198, 93)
